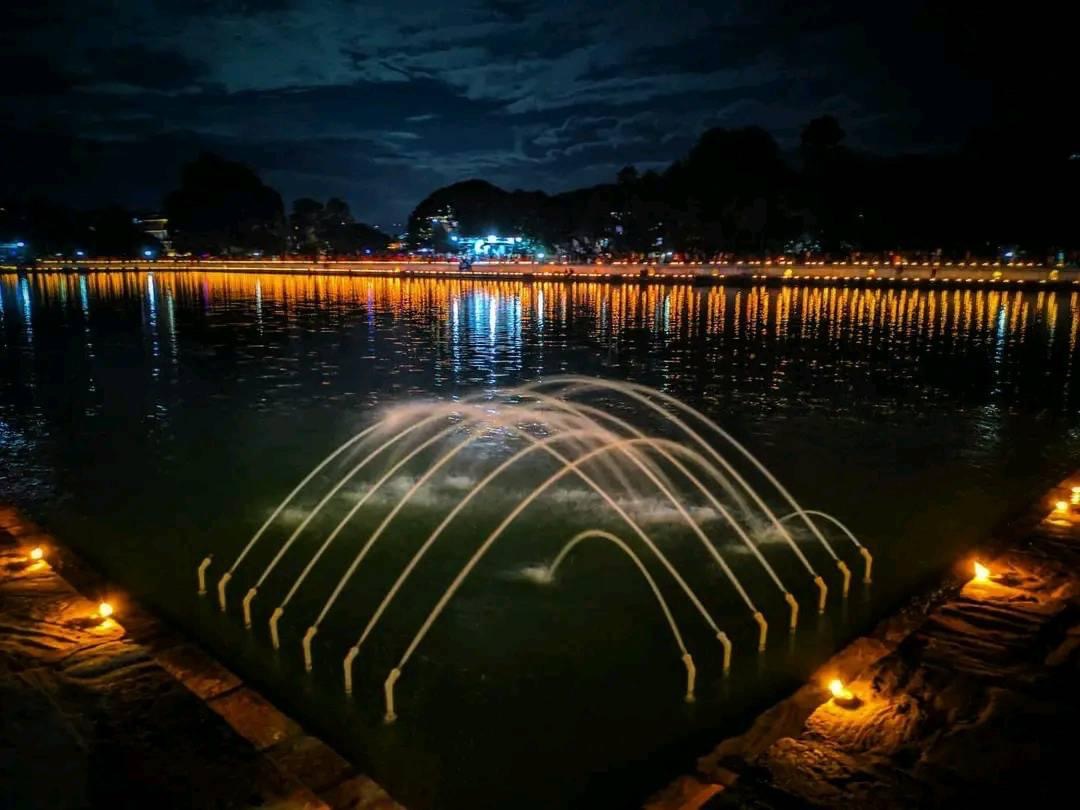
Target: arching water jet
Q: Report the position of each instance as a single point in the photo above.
(567, 467)
(463, 574)
(864, 552)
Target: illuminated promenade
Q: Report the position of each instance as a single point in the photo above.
(949, 273)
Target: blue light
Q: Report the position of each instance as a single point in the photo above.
(517, 238)
(20, 244)
(492, 238)
(148, 253)
(539, 255)
(80, 252)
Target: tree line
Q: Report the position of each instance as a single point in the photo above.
(735, 193)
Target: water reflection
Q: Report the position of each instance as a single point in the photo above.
(480, 330)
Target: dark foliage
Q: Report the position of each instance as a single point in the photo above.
(737, 193)
(222, 207)
(317, 229)
(50, 229)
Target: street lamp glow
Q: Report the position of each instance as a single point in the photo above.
(1061, 506)
(37, 553)
(105, 610)
(982, 573)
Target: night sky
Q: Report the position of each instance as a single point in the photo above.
(382, 102)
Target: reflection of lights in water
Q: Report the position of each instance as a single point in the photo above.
(24, 298)
(907, 322)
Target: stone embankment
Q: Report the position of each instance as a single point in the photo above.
(125, 713)
(969, 697)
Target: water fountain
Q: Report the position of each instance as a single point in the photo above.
(616, 460)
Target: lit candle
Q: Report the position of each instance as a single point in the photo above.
(841, 695)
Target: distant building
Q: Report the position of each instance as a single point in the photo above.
(13, 251)
(157, 227)
(494, 247)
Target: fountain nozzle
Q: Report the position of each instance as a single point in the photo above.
(388, 689)
(763, 627)
(275, 617)
(347, 664)
(847, 575)
(247, 606)
(794, 609)
(308, 636)
(221, 589)
(725, 642)
(202, 573)
(691, 676)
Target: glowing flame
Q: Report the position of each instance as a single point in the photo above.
(836, 686)
(105, 610)
(1061, 506)
(982, 573)
(37, 553)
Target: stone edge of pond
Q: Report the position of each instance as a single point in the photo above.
(79, 691)
(789, 756)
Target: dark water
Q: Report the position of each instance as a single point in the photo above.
(150, 420)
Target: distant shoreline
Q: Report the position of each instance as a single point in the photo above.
(944, 274)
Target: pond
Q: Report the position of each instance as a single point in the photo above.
(152, 419)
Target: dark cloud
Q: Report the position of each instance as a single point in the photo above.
(381, 101)
(140, 66)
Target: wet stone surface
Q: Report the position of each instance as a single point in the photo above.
(92, 718)
(972, 701)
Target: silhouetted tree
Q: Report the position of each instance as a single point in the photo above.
(49, 229)
(304, 223)
(222, 207)
(330, 228)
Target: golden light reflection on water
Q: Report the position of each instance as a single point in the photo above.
(904, 321)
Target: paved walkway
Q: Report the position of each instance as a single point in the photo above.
(969, 698)
(127, 714)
